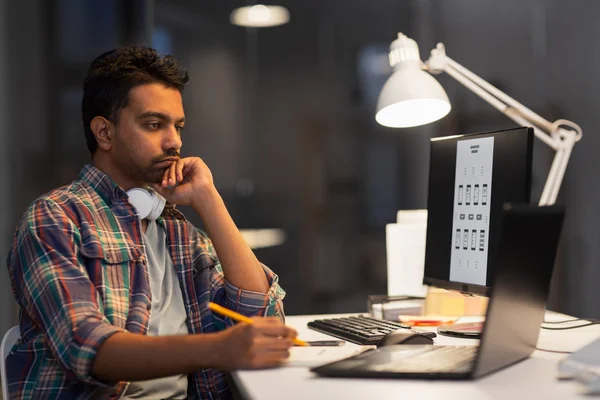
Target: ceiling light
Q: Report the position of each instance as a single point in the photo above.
(260, 16)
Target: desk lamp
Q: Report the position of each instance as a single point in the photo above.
(412, 97)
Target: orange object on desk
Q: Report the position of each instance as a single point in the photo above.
(412, 320)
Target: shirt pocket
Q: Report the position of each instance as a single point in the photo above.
(113, 271)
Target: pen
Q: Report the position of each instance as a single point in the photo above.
(242, 318)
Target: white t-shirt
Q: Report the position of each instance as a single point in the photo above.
(167, 315)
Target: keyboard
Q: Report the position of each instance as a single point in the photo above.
(360, 330)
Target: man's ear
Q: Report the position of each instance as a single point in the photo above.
(104, 131)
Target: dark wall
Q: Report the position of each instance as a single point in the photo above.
(284, 117)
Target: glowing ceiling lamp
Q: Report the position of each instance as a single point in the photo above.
(260, 16)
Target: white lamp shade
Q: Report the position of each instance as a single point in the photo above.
(411, 97)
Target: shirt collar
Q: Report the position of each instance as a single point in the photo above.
(109, 191)
(171, 211)
(102, 184)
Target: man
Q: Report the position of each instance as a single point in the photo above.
(112, 306)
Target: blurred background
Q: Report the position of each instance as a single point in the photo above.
(284, 117)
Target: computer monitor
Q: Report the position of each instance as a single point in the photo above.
(471, 176)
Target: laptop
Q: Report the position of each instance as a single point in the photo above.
(519, 291)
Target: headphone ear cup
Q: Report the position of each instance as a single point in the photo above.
(147, 204)
(158, 204)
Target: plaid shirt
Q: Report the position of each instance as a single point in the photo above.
(79, 274)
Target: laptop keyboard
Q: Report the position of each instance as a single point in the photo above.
(360, 330)
(428, 359)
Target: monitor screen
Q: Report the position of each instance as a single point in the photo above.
(471, 176)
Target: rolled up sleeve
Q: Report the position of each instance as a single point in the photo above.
(251, 303)
(53, 286)
(89, 336)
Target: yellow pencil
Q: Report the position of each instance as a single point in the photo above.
(242, 318)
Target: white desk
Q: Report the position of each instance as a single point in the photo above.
(531, 378)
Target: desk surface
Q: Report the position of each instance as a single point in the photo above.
(531, 378)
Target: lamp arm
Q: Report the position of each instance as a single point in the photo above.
(553, 134)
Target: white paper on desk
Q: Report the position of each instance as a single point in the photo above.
(405, 249)
(307, 356)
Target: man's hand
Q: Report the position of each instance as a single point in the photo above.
(189, 182)
(127, 356)
(263, 344)
(185, 180)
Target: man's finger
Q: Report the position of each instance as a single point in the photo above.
(275, 344)
(172, 173)
(273, 330)
(270, 320)
(282, 345)
(263, 345)
(180, 165)
(165, 179)
(290, 332)
(273, 326)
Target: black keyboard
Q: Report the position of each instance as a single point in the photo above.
(360, 330)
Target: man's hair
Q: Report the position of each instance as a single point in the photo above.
(113, 74)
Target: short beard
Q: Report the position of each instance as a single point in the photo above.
(142, 174)
(152, 175)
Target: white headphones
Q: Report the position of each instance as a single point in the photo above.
(148, 203)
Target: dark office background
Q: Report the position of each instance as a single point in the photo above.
(284, 117)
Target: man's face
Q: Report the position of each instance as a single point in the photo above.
(148, 133)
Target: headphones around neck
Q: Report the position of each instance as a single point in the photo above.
(148, 203)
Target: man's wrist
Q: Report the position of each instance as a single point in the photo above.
(204, 196)
(210, 350)
(216, 355)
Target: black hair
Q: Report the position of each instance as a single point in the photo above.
(112, 75)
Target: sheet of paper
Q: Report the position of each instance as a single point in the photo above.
(405, 245)
(318, 355)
